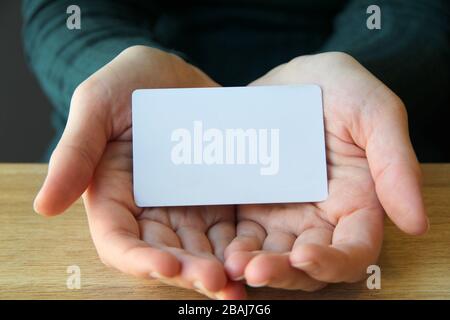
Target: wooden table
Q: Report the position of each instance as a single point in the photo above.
(35, 252)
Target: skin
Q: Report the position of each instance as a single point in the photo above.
(372, 168)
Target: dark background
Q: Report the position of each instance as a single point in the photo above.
(25, 128)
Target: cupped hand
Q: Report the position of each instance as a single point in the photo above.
(181, 246)
(372, 169)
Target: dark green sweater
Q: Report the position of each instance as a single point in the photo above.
(237, 41)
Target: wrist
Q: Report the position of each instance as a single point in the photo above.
(172, 70)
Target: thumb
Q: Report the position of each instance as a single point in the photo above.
(393, 163)
(75, 158)
(100, 110)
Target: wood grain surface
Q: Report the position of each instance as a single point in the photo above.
(35, 252)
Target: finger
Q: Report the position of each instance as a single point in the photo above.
(130, 255)
(115, 233)
(74, 160)
(204, 275)
(157, 234)
(278, 241)
(316, 235)
(356, 244)
(274, 270)
(194, 240)
(250, 237)
(234, 290)
(200, 272)
(220, 236)
(394, 165)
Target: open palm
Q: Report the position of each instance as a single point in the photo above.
(369, 157)
(371, 166)
(288, 245)
(181, 246)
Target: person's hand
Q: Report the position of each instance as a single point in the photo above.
(183, 246)
(372, 168)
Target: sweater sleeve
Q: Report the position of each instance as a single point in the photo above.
(410, 54)
(62, 58)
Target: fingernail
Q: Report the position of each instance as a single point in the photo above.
(201, 289)
(157, 275)
(220, 296)
(199, 286)
(239, 278)
(258, 285)
(34, 205)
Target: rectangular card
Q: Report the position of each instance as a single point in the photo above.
(237, 145)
